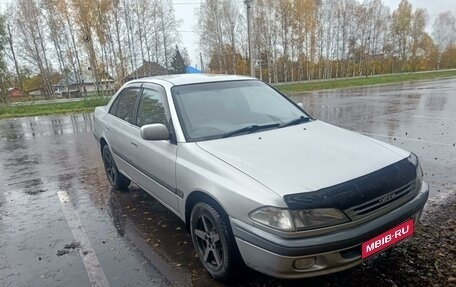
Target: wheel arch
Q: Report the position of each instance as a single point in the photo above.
(199, 196)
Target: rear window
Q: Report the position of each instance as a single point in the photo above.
(125, 103)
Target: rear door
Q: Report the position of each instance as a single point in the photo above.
(156, 159)
(120, 132)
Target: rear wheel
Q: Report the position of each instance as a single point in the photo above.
(214, 242)
(116, 179)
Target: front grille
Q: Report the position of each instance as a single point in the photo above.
(390, 200)
(380, 190)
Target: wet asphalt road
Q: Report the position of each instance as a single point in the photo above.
(135, 240)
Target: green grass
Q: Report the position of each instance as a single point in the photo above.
(357, 82)
(87, 105)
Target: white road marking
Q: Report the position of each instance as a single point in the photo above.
(407, 139)
(96, 275)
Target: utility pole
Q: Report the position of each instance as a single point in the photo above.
(366, 56)
(249, 33)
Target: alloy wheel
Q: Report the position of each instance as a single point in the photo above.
(208, 242)
(109, 167)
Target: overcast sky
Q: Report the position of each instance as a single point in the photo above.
(185, 12)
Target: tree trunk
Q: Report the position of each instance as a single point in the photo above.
(16, 66)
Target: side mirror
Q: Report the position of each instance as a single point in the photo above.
(301, 106)
(154, 132)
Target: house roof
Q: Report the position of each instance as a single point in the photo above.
(147, 69)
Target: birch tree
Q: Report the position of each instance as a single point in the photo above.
(444, 33)
(31, 39)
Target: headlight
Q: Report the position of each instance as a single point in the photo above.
(419, 171)
(292, 220)
(315, 218)
(273, 217)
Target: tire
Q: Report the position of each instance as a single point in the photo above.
(214, 242)
(116, 179)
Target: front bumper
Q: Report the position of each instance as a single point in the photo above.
(333, 252)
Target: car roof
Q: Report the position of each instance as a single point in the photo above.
(185, 79)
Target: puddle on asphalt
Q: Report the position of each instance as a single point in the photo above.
(46, 125)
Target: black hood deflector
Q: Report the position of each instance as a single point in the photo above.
(356, 191)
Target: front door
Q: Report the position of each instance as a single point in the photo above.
(156, 159)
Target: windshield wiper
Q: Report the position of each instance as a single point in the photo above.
(249, 129)
(301, 119)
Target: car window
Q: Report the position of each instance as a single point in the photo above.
(151, 109)
(114, 106)
(212, 110)
(127, 102)
(273, 107)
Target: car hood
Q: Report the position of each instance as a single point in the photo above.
(304, 157)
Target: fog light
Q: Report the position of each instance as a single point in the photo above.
(304, 263)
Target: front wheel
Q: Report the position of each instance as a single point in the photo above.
(214, 242)
(116, 179)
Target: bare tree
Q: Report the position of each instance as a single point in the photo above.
(29, 19)
(444, 33)
(210, 32)
(13, 54)
(401, 28)
(418, 36)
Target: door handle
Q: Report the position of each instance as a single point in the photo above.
(134, 144)
(106, 128)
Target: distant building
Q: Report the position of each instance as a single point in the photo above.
(148, 69)
(69, 86)
(37, 92)
(15, 93)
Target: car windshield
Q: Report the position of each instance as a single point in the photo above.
(223, 109)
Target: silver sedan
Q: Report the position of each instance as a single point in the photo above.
(256, 179)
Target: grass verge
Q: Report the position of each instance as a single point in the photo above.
(358, 82)
(87, 105)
